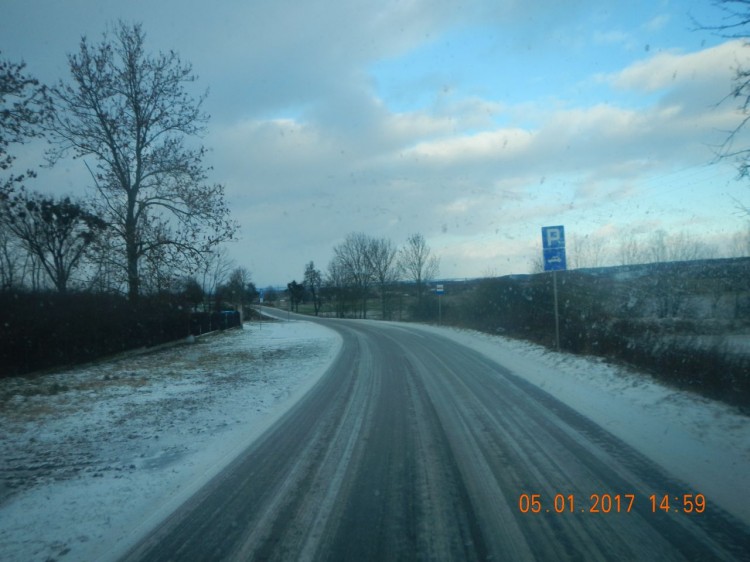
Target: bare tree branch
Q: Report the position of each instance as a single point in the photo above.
(418, 263)
(132, 112)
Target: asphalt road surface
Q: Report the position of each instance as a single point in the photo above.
(413, 447)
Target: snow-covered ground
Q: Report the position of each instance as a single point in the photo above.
(92, 457)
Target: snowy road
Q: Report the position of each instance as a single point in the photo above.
(413, 446)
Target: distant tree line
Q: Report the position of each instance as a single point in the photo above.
(591, 251)
(364, 268)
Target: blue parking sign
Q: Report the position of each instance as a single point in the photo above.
(553, 248)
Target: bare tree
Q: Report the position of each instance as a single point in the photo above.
(685, 247)
(313, 281)
(13, 259)
(740, 244)
(536, 265)
(238, 286)
(657, 250)
(663, 247)
(237, 291)
(417, 263)
(270, 295)
(154, 274)
(132, 112)
(57, 232)
(381, 256)
(630, 250)
(354, 267)
(214, 271)
(735, 23)
(107, 270)
(296, 294)
(191, 291)
(586, 251)
(337, 285)
(24, 108)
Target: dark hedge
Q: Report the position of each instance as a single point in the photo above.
(45, 330)
(598, 317)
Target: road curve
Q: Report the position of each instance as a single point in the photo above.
(413, 447)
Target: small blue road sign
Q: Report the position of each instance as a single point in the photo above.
(553, 248)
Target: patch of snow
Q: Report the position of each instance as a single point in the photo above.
(92, 458)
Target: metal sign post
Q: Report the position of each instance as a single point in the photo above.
(553, 250)
(557, 311)
(440, 292)
(260, 310)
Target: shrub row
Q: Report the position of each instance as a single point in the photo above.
(45, 330)
(523, 307)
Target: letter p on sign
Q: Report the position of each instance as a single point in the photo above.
(553, 237)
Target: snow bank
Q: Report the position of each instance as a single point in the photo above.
(704, 443)
(94, 457)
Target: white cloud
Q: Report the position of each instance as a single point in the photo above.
(613, 37)
(466, 148)
(657, 23)
(395, 173)
(668, 70)
(309, 152)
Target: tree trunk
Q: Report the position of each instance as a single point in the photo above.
(131, 251)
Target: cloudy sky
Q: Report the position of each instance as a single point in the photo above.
(474, 123)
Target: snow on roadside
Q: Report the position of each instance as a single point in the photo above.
(704, 443)
(91, 458)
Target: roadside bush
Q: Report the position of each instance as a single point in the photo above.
(712, 370)
(515, 306)
(670, 349)
(44, 330)
(203, 322)
(425, 310)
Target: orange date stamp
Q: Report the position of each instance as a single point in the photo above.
(610, 503)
